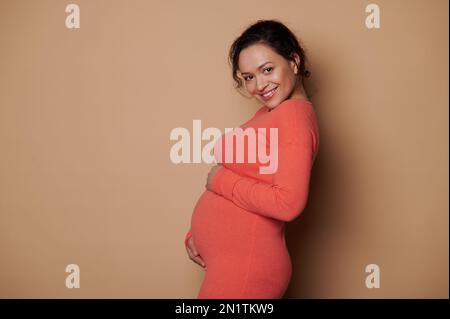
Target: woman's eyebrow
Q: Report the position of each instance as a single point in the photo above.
(259, 67)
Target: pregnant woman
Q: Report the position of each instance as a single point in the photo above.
(237, 230)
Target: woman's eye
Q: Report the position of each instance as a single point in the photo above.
(269, 69)
(247, 78)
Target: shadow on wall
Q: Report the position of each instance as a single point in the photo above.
(313, 237)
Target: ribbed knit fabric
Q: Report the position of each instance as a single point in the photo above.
(238, 225)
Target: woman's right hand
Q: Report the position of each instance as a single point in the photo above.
(193, 253)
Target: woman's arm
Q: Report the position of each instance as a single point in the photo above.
(286, 197)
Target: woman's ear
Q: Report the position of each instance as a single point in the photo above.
(295, 65)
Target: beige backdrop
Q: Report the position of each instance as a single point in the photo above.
(85, 117)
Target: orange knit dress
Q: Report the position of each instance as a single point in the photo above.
(238, 226)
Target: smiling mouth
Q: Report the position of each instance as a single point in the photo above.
(269, 94)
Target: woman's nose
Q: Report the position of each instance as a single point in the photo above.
(261, 85)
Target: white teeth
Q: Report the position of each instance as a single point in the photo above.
(270, 93)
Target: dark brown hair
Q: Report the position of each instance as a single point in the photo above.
(274, 34)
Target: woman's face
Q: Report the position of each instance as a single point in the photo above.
(266, 75)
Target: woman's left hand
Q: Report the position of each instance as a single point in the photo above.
(211, 174)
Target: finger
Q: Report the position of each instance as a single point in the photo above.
(194, 250)
(191, 255)
(199, 261)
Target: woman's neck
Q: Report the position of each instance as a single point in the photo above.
(299, 93)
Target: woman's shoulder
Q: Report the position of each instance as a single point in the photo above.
(295, 105)
(287, 107)
(294, 110)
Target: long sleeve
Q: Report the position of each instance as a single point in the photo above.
(286, 197)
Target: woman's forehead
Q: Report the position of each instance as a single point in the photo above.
(255, 56)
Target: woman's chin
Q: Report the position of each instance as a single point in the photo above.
(271, 104)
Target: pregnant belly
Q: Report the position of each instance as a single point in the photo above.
(222, 229)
